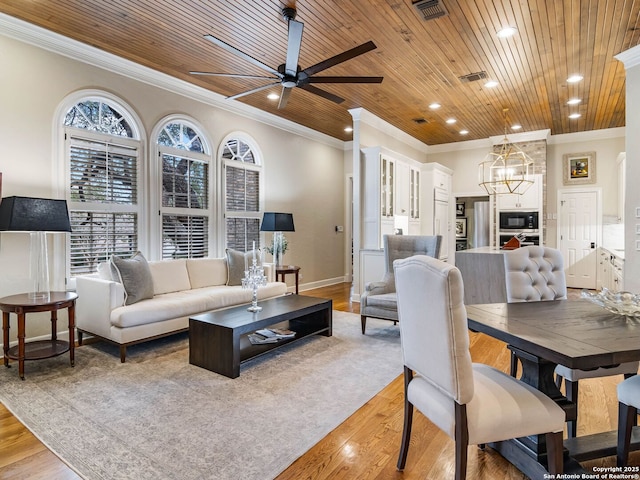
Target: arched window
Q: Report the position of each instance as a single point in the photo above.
(240, 160)
(102, 154)
(185, 207)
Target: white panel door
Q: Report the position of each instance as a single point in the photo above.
(578, 228)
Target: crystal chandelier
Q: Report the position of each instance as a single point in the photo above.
(508, 171)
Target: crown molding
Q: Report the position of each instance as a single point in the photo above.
(630, 58)
(591, 135)
(37, 36)
(364, 116)
(521, 137)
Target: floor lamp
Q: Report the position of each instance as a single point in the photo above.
(36, 216)
(277, 223)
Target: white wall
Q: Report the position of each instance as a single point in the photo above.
(303, 175)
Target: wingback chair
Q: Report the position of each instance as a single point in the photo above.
(379, 298)
(536, 273)
(473, 403)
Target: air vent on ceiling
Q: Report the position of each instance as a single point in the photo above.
(420, 120)
(473, 77)
(430, 9)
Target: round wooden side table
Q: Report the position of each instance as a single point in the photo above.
(282, 270)
(22, 304)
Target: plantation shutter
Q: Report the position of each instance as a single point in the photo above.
(103, 201)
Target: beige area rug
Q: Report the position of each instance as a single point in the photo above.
(158, 417)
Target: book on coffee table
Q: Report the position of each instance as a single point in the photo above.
(276, 332)
(257, 339)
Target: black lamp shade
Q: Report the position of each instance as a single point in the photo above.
(26, 214)
(277, 222)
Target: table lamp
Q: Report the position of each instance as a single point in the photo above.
(277, 223)
(36, 216)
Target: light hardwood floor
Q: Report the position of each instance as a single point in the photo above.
(366, 444)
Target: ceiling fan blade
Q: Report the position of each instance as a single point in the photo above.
(241, 54)
(293, 47)
(233, 75)
(344, 80)
(342, 57)
(284, 97)
(254, 90)
(322, 93)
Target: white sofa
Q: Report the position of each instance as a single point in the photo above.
(181, 288)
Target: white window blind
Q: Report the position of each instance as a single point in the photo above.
(242, 195)
(185, 203)
(103, 199)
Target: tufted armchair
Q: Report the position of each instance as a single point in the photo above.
(473, 403)
(536, 273)
(379, 298)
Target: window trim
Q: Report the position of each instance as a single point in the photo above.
(155, 188)
(60, 186)
(257, 166)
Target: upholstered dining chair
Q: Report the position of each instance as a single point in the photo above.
(473, 403)
(534, 273)
(379, 298)
(628, 404)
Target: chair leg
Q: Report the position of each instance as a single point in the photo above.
(462, 441)
(80, 333)
(408, 421)
(554, 453)
(363, 322)
(123, 353)
(513, 371)
(626, 419)
(635, 417)
(571, 392)
(558, 381)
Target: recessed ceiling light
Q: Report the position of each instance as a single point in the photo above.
(575, 115)
(574, 78)
(434, 106)
(491, 84)
(516, 127)
(348, 129)
(273, 96)
(574, 101)
(464, 132)
(507, 32)
(451, 121)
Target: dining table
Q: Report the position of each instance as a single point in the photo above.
(575, 333)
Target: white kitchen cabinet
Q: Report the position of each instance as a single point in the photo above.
(389, 195)
(529, 200)
(438, 207)
(610, 270)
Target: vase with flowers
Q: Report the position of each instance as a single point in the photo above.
(278, 248)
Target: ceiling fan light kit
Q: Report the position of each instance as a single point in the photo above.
(289, 75)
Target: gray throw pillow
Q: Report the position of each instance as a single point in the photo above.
(236, 263)
(135, 276)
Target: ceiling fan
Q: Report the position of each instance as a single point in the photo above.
(289, 74)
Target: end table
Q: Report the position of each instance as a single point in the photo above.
(22, 304)
(282, 270)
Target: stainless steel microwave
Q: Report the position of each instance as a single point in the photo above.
(518, 221)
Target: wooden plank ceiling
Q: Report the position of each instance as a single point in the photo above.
(421, 61)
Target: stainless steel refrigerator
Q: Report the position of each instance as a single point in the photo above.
(481, 224)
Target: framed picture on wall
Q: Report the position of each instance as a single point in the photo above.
(460, 209)
(461, 227)
(579, 168)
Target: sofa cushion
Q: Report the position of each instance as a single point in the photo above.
(189, 302)
(169, 276)
(207, 272)
(135, 276)
(237, 263)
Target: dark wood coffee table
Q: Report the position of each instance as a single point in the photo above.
(218, 340)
